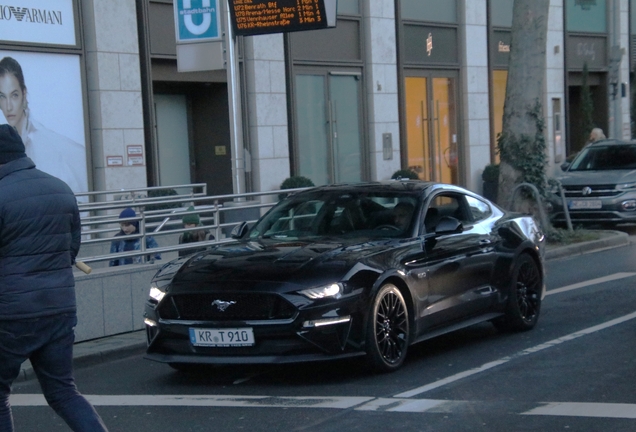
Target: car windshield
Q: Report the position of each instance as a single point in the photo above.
(340, 214)
(603, 158)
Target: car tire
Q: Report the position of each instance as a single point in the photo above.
(524, 300)
(387, 336)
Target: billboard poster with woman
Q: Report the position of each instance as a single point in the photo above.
(41, 96)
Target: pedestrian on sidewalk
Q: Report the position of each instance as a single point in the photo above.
(123, 243)
(192, 220)
(596, 135)
(39, 239)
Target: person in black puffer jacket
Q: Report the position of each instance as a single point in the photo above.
(39, 239)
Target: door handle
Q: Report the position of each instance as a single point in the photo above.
(485, 242)
(485, 290)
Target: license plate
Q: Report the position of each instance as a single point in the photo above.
(226, 337)
(585, 204)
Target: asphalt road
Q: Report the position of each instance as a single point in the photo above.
(575, 371)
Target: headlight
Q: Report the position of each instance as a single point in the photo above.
(156, 293)
(626, 186)
(331, 290)
(629, 205)
(554, 186)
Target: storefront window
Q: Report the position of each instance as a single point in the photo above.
(588, 16)
(501, 12)
(429, 10)
(499, 81)
(348, 7)
(431, 128)
(328, 112)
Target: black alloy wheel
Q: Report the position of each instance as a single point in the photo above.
(525, 297)
(388, 330)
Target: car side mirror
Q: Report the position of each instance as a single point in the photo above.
(565, 166)
(448, 225)
(239, 230)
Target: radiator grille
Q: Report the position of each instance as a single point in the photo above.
(607, 190)
(227, 307)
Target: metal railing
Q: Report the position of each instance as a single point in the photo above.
(564, 204)
(545, 223)
(97, 201)
(162, 216)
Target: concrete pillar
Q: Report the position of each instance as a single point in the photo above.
(381, 86)
(474, 91)
(267, 110)
(619, 118)
(555, 87)
(114, 90)
(625, 102)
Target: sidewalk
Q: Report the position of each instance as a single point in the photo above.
(119, 346)
(609, 239)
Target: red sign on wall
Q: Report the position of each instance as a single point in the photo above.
(135, 155)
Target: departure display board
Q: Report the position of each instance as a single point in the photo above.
(254, 17)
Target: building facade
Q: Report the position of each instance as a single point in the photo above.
(416, 84)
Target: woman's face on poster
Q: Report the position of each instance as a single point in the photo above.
(12, 99)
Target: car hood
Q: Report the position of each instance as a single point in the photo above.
(587, 178)
(272, 261)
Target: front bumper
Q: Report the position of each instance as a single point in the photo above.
(326, 330)
(612, 210)
(262, 359)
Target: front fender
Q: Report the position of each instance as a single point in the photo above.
(397, 278)
(518, 236)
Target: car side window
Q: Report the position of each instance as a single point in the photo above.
(478, 209)
(445, 205)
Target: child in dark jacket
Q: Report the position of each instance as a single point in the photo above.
(192, 220)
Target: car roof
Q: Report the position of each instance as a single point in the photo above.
(611, 142)
(389, 185)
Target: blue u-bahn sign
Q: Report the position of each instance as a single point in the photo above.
(197, 20)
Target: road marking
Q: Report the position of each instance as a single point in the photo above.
(600, 280)
(402, 405)
(568, 409)
(339, 402)
(532, 350)
(571, 409)
(607, 410)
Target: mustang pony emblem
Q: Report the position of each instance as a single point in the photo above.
(222, 304)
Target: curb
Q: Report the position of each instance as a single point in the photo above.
(611, 239)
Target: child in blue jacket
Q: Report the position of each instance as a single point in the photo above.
(125, 245)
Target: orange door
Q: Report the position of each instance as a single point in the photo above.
(431, 128)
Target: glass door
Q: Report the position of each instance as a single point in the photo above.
(431, 128)
(419, 151)
(172, 139)
(328, 127)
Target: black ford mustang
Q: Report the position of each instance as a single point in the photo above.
(349, 270)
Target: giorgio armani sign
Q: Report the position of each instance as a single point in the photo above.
(40, 16)
(38, 21)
